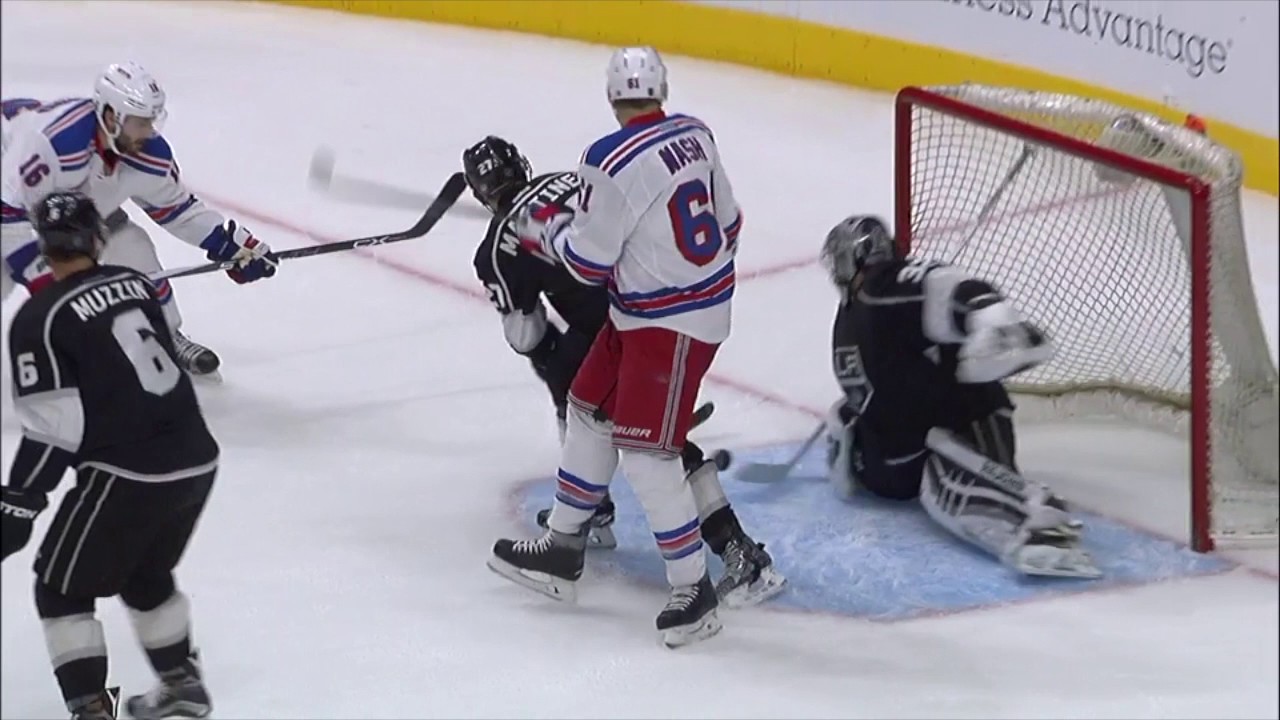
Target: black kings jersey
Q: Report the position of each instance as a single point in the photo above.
(96, 384)
(897, 368)
(516, 279)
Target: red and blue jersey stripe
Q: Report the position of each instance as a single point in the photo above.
(589, 272)
(166, 215)
(72, 135)
(155, 157)
(11, 214)
(614, 152)
(711, 291)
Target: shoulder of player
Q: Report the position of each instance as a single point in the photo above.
(69, 133)
(155, 157)
(613, 152)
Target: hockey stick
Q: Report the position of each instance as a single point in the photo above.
(448, 196)
(773, 472)
(1028, 152)
(322, 178)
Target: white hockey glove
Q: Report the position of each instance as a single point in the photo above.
(1000, 343)
(542, 231)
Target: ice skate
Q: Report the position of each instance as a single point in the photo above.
(749, 576)
(599, 533)
(690, 615)
(550, 564)
(180, 695)
(198, 360)
(104, 707)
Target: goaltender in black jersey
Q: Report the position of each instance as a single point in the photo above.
(98, 388)
(921, 349)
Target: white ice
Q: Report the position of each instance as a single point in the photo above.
(373, 421)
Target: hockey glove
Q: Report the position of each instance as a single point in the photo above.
(1000, 344)
(18, 511)
(541, 230)
(254, 258)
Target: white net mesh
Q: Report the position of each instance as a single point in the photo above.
(1103, 260)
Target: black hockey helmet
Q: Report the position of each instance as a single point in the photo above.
(68, 224)
(496, 171)
(854, 243)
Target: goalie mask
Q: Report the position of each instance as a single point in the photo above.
(495, 172)
(854, 243)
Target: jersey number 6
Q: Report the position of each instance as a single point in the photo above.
(137, 338)
(693, 220)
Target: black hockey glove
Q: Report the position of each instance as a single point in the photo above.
(18, 511)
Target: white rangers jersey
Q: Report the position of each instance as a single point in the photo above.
(55, 147)
(657, 222)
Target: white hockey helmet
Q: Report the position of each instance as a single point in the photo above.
(130, 91)
(637, 73)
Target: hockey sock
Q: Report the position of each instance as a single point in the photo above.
(588, 461)
(165, 634)
(76, 644)
(659, 483)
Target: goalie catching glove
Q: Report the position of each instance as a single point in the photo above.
(1000, 343)
(232, 242)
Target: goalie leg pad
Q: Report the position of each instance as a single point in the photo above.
(986, 503)
(588, 462)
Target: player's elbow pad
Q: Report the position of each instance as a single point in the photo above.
(524, 331)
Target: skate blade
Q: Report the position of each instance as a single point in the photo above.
(212, 378)
(549, 585)
(601, 538)
(1075, 565)
(709, 626)
(770, 583)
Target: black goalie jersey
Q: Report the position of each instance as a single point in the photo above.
(97, 386)
(516, 278)
(894, 349)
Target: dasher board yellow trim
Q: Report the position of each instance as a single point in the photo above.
(788, 46)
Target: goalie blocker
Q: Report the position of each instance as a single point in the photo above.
(921, 349)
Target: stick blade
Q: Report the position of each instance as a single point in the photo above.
(762, 473)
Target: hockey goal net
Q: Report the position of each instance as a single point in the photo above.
(1121, 235)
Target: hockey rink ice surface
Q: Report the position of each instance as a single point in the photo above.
(378, 435)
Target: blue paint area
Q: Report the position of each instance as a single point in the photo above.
(874, 558)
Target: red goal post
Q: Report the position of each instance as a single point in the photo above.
(1122, 235)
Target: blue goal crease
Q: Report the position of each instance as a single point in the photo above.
(871, 558)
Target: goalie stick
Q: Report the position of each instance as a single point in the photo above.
(449, 194)
(761, 473)
(322, 178)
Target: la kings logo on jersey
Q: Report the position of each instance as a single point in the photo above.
(852, 376)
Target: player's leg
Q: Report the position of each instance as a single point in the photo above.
(659, 378)
(552, 563)
(749, 575)
(860, 457)
(161, 613)
(129, 245)
(971, 487)
(88, 552)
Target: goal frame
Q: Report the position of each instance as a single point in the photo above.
(1199, 434)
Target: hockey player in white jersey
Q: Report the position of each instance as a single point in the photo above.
(109, 147)
(656, 222)
(920, 349)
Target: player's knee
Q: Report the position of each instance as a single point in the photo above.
(148, 592)
(652, 469)
(50, 603)
(577, 418)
